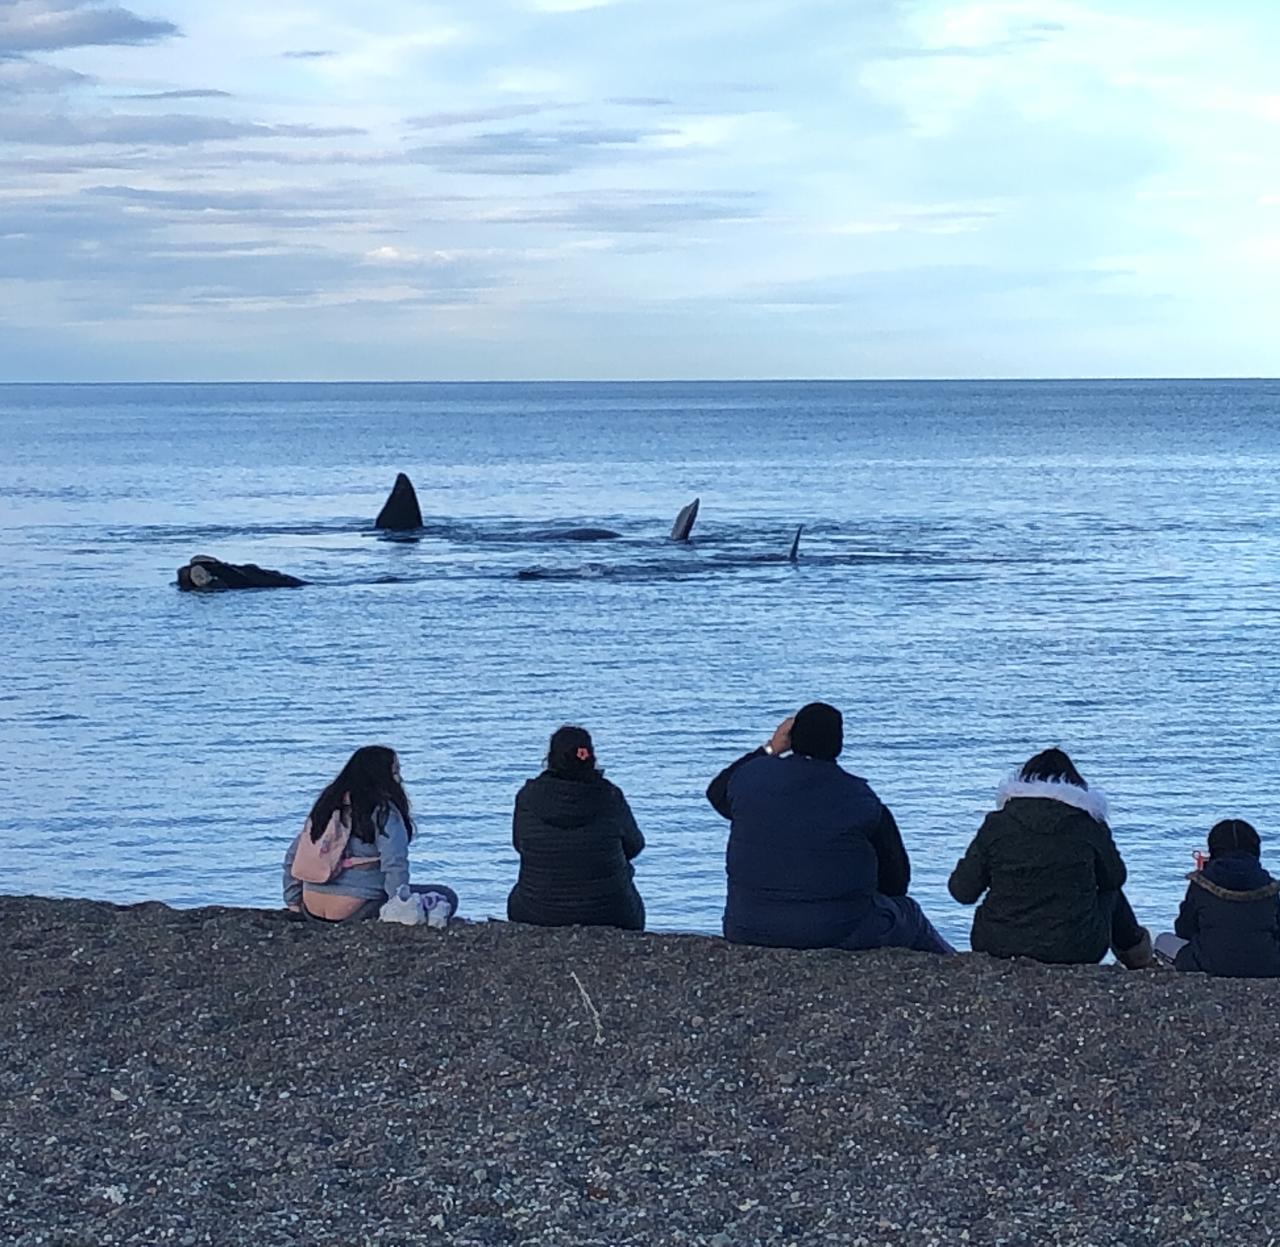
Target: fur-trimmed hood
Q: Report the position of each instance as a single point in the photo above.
(1235, 877)
(1090, 800)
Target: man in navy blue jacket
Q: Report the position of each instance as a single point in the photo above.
(815, 860)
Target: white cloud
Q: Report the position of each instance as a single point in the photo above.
(421, 167)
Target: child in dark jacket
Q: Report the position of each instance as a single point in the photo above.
(1231, 915)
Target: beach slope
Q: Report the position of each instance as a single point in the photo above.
(235, 1077)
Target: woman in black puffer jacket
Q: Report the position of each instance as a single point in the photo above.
(576, 838)
(1051, 873)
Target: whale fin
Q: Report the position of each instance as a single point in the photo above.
(793, 555)
(400, 511)
(684, 521)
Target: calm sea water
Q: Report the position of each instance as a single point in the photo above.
(987, 569)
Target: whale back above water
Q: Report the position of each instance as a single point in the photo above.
(588, 571)
(681, 529)
(400, 512)
(577, 534)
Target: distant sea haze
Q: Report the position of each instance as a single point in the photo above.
(987, 569)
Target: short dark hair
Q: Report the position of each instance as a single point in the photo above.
(818, 731)
(571, 755)
(1053, 765)
(1234, 835)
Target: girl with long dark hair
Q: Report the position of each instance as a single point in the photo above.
(1051, 873)
(576, 838)
(367, 800)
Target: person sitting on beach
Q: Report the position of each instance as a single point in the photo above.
(368, 801)
(1051, 873)
(814, 859)
(1231, 915)
(576, 838)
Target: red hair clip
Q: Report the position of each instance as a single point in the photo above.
(583, 753)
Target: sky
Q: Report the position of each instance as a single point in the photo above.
(649, 189)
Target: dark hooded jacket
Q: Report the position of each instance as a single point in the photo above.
(1046, 861)
(810, 847)
(1231, 920)
(576, 839)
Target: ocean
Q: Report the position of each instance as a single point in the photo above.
(986, 569)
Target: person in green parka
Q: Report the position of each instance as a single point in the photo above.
(1051, 872)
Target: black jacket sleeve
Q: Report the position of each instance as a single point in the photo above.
(632, 836)
(515, 822)
(894, 875)
(1187, 926)
(972, 875)
(1110, 870)
(718, 789)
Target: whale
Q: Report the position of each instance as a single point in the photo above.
(792, 555)
(205, 574)
(576, 534)
(588, 571)
(400, 512)
(683, 526)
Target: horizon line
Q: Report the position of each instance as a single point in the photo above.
(954, 380)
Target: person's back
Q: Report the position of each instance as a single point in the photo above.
(814, 859)
(576, 836)
(1042, 858)
(1231, 914)
(801, 867)
(330, 884)
(1051, 873)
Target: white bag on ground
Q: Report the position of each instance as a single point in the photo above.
(403, 907)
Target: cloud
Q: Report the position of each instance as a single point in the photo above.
(250, 208)
(195, 93)
(1015, 38)
(770, 176)
(169, 129)
(102, 259)
(51, 25)
(938, 219)
(19, 76)
(923, 285)
(501, 112)
(538, 152)
(640, 101)
(631, 212)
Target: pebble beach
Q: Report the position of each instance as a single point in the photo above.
(220, 1076)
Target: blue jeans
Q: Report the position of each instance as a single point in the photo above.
(896, 922)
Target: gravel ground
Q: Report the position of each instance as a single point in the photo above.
(234, 1077)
